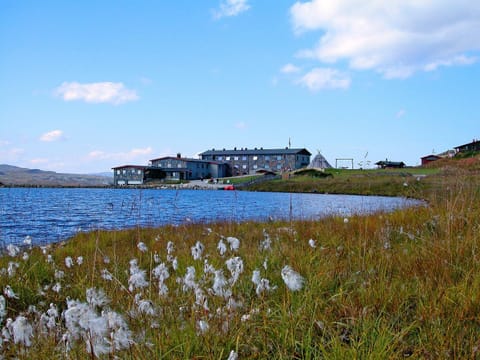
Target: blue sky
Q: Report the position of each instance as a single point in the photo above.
(88, 85)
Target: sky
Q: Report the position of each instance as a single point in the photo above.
(89, 85)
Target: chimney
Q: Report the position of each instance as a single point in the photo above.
(179, 155)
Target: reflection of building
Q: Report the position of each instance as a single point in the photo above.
(250, 161)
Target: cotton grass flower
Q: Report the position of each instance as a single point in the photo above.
(79, 260)
(25, 256)
(106, 275)
(9, 293)
(137, 277)
(142, 247)
(27, 241)
(12, 250)
(161, 274)
(262, 284)
(292, 279)
(312, 243)
(96, 298)
(68, 262)
(233, 242)
(3, 308)
(197, 250)
(233, 355)
(202, 326)
(12, 268)
(221, 247)
(235, 266)
(22, 331)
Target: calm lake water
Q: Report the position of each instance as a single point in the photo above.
(49, 215)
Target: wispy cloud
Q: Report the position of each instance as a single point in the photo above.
(400, 113)
(53, 135)
(100, 92)
(241, 125)
(39, 161)
(131, 155)
(395, 38)
(229, 8)
(325, 78)
(290, 69)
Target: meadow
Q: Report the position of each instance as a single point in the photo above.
(385, 286)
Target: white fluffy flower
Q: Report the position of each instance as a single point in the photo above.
(142, 247)
(22, 331)
(189, 279)
(79, 260)
(9, 293)
(12, 268)
(235, 266)
(68, 262)
(96, 298)
(197, 250)
(233, 242)
(292, 279)
(25, 256)
(161, 274)
(170, 248)
(12, 250)
(137, 277)
(106, 275)
(233, 355)
(3, 308)
(144, 306)
(202, 326)
(27, 241)
(312, 243)
(219, 284)
(222, 248)
(263, 285)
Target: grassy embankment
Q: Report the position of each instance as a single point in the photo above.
(403, 284)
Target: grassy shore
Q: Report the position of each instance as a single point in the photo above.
(386, 286)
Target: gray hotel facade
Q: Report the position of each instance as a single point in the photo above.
(213, 164)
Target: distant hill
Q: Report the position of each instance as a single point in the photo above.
(13, 175)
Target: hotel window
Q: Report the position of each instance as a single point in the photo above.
(118, 172)
(220, 158)
(267, 166)
(244, 166)
(235, 158)
(139, 172)
(124, 172)
(179, 165)
(244, 158)
(255, 166)
(255, 158)
(227, 158)
(279, 157)
(267, 157)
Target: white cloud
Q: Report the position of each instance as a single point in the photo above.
(290, 69)
(229, 8)
(53, 135)
(396, 38)
(400, 113)
(121, 156)
(101, 92)
(39, 161)
(241, 125)
(325, 78)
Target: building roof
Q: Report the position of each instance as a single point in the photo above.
(139, 167)
(474, 142)
(431, 157)
(256, 151)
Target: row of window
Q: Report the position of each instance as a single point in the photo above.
(244, 158)
(131, 171)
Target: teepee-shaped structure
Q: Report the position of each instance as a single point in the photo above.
(319, 162)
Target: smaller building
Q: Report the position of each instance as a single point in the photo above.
(129, 175)
(429, 158)
(471, 146)
(385, 164)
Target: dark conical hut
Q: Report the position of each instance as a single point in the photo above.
(319, 162)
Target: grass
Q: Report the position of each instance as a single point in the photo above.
(386, 286)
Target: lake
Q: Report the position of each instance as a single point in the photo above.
(50, 215)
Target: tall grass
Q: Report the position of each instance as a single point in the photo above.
(385, 286)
